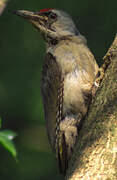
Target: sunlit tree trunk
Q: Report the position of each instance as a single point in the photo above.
(95, 155)
(2, 5)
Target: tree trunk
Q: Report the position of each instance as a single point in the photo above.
(2, 5)
(95, 154)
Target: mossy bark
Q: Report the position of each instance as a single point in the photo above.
(95, 154)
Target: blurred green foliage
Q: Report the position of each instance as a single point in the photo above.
(6, 137)
(21, 57)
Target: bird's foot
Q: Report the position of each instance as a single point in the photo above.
(99, 77)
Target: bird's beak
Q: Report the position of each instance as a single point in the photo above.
(35, 18)
(28, 15)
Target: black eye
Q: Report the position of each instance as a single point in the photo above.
(53, 16)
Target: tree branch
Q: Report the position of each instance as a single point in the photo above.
(2, 6)
(95, 154)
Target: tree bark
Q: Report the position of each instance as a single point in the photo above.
(95, 154)
(2, 5)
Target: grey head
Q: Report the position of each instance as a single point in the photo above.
(52, 23)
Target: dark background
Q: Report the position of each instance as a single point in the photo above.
(22, 51)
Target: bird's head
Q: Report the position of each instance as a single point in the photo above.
(52, 23)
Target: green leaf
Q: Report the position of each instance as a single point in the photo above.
(6, 137)
(9, 134)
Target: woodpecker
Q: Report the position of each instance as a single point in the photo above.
(69, 71)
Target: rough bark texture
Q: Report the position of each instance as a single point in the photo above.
(95, 154)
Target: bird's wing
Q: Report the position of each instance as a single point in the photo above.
(52, 93)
